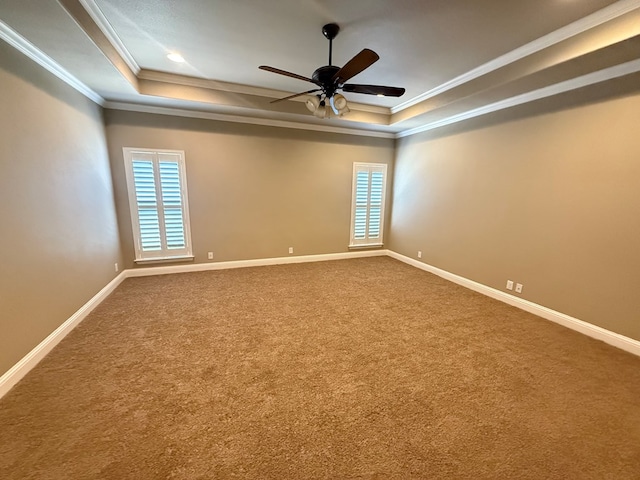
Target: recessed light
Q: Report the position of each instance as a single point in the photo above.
(380, 95)
(176, 57)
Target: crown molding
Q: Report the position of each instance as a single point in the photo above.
(614, 11)
(103, 24)
(562, 87)
(105, 27)
(186, 80)
(178, 112)
(600, 17)
(189, 81)
(21, 44)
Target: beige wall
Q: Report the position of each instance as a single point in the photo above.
(253, 191)
(59, 237)
(551, 201)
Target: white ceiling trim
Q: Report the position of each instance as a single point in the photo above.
(136, 107)
(562, 87)
(105, 27)
(600, 17)
(164, 77)
(616, 10)
(21, 44)
(103, 24)
(189, 81)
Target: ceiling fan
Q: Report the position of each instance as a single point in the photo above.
(330, 79)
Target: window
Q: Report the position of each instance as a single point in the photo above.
(156, 181)
(367, 208)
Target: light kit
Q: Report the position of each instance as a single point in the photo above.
(336, 106)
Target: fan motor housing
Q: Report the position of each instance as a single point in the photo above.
(323, 75)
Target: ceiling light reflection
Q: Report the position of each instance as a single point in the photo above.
(175, 57)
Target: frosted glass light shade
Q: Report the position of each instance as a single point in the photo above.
(321, 112)
(339, 101)
(312, 103)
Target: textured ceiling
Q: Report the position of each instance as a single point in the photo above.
(423, 45)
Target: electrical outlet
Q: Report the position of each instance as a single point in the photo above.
(509, 285)
(518, 288)
(290, 249)
(419, 253)
(116, 267)
(210, 255)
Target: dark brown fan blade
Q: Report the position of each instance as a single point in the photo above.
(296, 95)
(361, 61)
(285, 73)
(374, 90)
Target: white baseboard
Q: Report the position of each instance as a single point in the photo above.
(31, 359)
(20, 369)
(259, 262)
(615, 339)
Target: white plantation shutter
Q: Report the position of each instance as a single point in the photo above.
(157, 195)
(367, 215)
(146, 205)
(172, 203)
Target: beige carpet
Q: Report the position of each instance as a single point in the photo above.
(363, 368)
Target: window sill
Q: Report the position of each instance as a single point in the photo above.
(368, 245)
(181, 258)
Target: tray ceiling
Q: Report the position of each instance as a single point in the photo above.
(456, 58)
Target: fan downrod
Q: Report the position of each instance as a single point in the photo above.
(330, 30)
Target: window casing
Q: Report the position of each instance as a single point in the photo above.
(156, 182)
(368, 204)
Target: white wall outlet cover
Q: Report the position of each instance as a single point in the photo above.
(509, 285)
(290, 249)
(518, 287)
(210, 255)
(419, 254)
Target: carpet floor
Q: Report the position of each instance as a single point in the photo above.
(355, 369)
